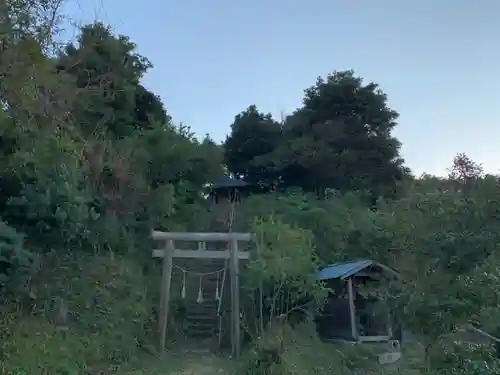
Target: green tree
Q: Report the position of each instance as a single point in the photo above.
(465, 173)
(107, 72)
(341, 138)
(132, 148)
(254, 135)
(444, 245)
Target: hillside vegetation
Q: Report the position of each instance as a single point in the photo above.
(90, 162)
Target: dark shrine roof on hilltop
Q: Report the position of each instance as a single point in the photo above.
(227, 182)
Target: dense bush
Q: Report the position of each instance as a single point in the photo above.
(458, 358)
(91, 162)
(91, 314)
(280, 280)
(15, 261)
(283, 350)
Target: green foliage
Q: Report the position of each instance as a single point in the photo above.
(91, 162)
(283, 251)
(15, 261)
(108, 318)
(445, 239)
(285, 351)
(281, 278)
(340, 138)
(333, 235)
(108, 70)
(51, 210)
(458, 358)
(441, 238)
(190, 161)
(253, 137)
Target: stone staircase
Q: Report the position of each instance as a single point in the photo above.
(202, 320)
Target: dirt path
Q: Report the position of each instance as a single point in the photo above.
(202, 366)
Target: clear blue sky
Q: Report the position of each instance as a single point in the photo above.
(439, 62)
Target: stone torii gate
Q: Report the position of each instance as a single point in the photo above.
(233, 254)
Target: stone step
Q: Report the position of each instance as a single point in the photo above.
(201, 310)
(210, 284)
(201, 317)
(202, 305)
(202, 335)
(205, 315)
(193, 305)
(209, 293)
(201, 326)
(201, 323)
(206, 290)
(200, 331)
(205, 303)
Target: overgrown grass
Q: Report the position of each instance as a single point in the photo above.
(288, 351)
(302, 352)
(109, 324)
(91, 315)
(186, 364)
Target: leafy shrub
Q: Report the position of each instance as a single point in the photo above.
(280, 280)
(52, 208)
(14, 259)
(285, 350)
(332, 222)
(108, 318)
(460, 358)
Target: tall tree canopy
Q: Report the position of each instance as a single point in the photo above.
(107, 72)
(105, 144)
(340, 138)
(254, 136)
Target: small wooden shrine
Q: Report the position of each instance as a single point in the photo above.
(229, 189)
(348, 314)
(226, 193)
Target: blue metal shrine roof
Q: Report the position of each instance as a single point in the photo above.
(347, 269)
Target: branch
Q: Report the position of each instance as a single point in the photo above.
(481, 332)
